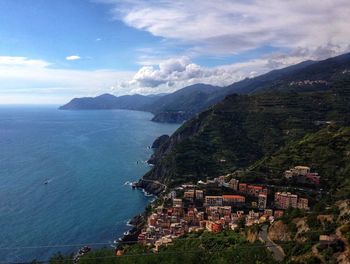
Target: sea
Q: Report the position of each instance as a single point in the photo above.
(65, 177)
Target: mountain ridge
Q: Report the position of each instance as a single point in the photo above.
(187, 102)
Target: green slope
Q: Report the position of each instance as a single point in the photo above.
(327, 151)
(242, 129)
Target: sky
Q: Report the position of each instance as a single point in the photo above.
(52, 51)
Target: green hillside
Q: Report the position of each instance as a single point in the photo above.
(327, 151)
(242, 129)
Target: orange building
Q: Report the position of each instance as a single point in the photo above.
(233, 199)
(242, 187)
(214, 227)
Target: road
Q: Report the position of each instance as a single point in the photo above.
(276, 250)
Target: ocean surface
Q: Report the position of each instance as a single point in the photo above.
(87, 158)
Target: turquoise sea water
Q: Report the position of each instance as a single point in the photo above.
(86, 157)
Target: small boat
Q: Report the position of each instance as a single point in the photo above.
(46, 182)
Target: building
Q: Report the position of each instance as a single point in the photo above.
(262, 202)
(284, 200)
(268, 212)
(220, 210)
(288, 174)
(303, 203)
(278, 213)
(303, 175)
(189, 195)
(213, 200)
(234, 184)
(235, 200)
(152, 220)
(172, 195)
(293, 200)
(242, 187)
(177, 202)
(256, 190)
(312, 177)
(199, 195)
(301, 170)
(214, 227)
(220, 179)
(328, 240)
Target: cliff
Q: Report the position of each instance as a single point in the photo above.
(170, 117)
(159, 141)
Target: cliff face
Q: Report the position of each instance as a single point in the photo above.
(160, 141)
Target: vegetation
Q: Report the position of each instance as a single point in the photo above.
(225, 247)
(243, 130)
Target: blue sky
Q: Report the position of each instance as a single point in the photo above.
(51, 51)
(52, 30)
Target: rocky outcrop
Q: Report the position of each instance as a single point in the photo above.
(302, 228)
(251, 235)
(160, 141)
(157, 144)
(187, 130)
(149, 186)
(278, 231)
(137, 223)
(170, 117)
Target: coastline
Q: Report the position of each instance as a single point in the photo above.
(149, 188)
(138, 221)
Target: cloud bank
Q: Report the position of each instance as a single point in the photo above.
(176, 73)
(229, 27)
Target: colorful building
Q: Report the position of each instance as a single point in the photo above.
(199, 195)
(213, 200)
(235, 200)
(233, 183)
(303, 203)
(262, 202)
(284, 200)
(242, 187)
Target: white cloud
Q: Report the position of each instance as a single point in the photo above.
(229, 27)
(73, 57)
(172, 74)
(28, 80)
(21, 61)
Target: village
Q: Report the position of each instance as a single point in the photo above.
(192, 208)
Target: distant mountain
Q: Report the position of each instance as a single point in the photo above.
(182, 104)
(302, 77)
(187, 102)
(305, 76)
(108, 101)
(175, 107)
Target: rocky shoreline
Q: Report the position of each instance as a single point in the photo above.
(137, 223)
(150, 187)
